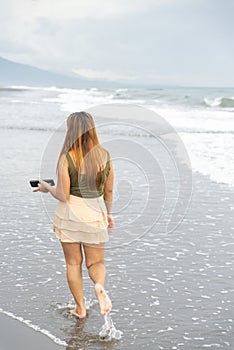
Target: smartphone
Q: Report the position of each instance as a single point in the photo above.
(35, 183)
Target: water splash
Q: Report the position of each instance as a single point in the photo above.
(108, 331)
(89, 302)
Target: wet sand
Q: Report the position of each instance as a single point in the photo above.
(169, 290)
(15, 335)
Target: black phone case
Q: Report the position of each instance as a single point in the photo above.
(35, 183)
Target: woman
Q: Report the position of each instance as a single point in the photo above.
(83, 215)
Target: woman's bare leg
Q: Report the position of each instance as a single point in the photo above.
(94, 257)
(74, 258)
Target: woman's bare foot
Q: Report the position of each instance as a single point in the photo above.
(79, 312)
(103, 299)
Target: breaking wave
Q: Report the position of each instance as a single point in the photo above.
(224, 102)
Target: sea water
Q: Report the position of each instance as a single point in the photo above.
(203, 117)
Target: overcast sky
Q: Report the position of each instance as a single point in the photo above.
(183, 42)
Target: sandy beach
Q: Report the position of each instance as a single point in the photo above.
(16, 336)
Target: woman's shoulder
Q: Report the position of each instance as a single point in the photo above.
(106, 153)
(65, 157)
(108, 162)
(62, 162)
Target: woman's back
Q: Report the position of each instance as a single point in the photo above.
(78, 183)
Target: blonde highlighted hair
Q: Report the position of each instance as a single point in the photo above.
(82, 139)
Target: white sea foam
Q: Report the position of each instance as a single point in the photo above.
(210, 155)
(78, 99)
(198, 120)
(74, 100)
(208, 138)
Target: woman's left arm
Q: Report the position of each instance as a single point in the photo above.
(62, 190)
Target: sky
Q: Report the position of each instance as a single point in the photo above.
(171, 42)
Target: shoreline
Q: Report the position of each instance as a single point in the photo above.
(11, 89)
(15, 334)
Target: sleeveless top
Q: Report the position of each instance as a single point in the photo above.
(81, 189)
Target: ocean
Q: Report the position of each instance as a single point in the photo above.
(203, 117)
(170, 259)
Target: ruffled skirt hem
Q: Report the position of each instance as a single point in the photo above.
(82, 220)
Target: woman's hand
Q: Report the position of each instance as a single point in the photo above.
(43, 187)
(111, 223)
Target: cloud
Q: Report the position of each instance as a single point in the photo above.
(105, 75)
(75, 9)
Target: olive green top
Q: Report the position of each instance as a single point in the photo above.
(81, 189)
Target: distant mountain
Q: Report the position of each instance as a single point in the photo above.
(13, 73)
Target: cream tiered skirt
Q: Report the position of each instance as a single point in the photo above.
(81, 220)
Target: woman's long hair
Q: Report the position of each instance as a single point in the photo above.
(82, 139)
